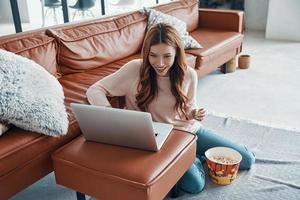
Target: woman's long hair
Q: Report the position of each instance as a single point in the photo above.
(147, 87)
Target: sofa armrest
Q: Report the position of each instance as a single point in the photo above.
(231, 20)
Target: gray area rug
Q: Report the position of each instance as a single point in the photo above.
(276, 174)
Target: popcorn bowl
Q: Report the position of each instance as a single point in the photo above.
(222, 164)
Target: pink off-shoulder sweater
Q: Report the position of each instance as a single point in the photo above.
(124, 82)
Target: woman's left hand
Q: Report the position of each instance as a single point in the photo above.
(199, 114)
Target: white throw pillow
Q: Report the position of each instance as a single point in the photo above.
(30, 97)
(155, 17)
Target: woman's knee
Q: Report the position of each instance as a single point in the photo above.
(193, 181)
(198, 185)
(248, 159)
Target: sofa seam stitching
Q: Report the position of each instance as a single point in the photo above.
(92, 35)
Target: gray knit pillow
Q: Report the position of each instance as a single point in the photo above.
(30, 97)
(155, 17)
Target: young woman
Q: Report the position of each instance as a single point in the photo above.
(162, 84)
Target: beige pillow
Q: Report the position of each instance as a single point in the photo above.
(3, 128)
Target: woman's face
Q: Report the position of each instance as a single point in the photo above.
(161, 58)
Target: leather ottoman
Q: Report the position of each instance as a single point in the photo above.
(113, 172)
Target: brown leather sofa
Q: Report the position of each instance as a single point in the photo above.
(79, 54)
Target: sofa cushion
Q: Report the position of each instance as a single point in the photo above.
(30, 97)
(216, 44)
(185, 10)
(91, 76)
(36, 46)
(155, 17)
(24, 153)
(92, 44)
(213, 40)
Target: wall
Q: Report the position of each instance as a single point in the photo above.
(284, 20)
(5, 11)
(256, 12)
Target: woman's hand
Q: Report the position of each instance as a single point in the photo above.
(199, 114)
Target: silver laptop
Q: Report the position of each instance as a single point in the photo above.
(121, 127)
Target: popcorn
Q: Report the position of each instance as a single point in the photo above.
(223, 160)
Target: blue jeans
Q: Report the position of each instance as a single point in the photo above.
(193, 180)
